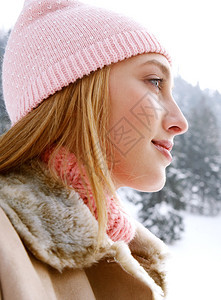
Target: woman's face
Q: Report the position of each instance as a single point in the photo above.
(144, 121)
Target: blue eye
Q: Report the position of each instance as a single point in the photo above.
(157, 82)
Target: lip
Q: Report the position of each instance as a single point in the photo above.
(164, 146)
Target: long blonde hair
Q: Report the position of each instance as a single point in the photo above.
(76, 118)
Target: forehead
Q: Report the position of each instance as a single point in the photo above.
(151, 58)
(140, 65)
(143, 60)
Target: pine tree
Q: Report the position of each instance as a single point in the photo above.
(203, 161)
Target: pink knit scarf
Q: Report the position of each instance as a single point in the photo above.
(119, 225)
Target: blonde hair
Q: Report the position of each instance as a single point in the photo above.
(77, 118)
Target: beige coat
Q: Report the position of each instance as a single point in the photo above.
(47, 242)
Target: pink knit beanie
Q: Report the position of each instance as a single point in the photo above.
(55, 42)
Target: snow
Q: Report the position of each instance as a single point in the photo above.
(129, 207)
(195, 263)
(196, 260)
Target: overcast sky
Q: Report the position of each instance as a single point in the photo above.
(189, 29)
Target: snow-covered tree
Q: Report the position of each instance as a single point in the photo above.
(4, 120)
(203, 160)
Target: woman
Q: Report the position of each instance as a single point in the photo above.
(88, 93)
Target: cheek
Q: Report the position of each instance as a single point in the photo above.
(134, 119)
(123, 122)
(139, 169)
(124, 97)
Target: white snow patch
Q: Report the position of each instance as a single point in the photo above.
(196, 260)
(195, 264)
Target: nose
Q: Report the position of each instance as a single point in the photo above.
(174, 121)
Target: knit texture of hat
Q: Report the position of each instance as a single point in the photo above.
(53, 43)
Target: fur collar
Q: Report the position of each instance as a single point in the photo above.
(56, 225)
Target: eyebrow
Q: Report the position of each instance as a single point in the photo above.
(161, 66)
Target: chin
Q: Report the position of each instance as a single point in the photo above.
(152, 182)
(155, 185)
(151, 189)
